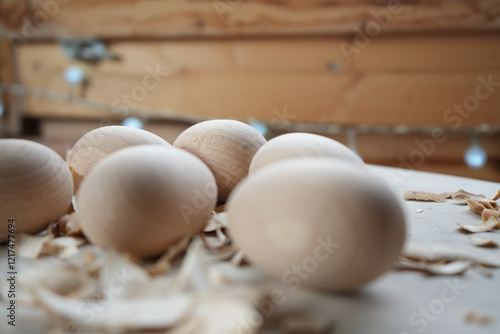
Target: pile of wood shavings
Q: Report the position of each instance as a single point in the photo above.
(489, 209)
(99, 290)
(83, 288)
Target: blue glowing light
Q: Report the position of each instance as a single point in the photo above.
(475, 157)
(74, 75)
(261, 127)
(132, 122)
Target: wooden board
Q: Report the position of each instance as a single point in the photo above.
(181, 18)
(394, 80)
(10, 120)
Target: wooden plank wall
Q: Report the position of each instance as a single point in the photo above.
(395, 80)
(289, 60)
(114, 19)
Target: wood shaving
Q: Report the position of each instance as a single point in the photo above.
(447, 195)
(299, 323)
(238, 258)
(70, 225)
(461, 197)
(120, 314)
(53, 230)
(193, 273)
(123, 297)
(497, 196)
(479, 319)
(425, 196)
(163, 264)
(488, 204)
(419, 210)
(457, 267)
(475, 206)
(488, 213)
(63, 247)
(482, 242)
(217, 221)
(486, 226)
(30, 246)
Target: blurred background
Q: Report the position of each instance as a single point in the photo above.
(412, 84)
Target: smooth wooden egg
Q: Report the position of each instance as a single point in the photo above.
(35, 186)
(226, 146)
(98, 143)
(318, 223)
(142, 199)
(300, 144)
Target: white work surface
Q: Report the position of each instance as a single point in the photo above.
(400, 301)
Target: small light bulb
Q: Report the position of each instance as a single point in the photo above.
(475, 157)
(261, 127)
(1, 105)
(132, 122)
(74, 75)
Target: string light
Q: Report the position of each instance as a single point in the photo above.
(133, 122)
(1, 102)
(74, 75)
(261, 127)
(475, 156)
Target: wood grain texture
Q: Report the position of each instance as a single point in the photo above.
(226, 147)
(181, 18)
(392, 81)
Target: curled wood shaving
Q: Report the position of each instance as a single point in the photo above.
(476, 318)
(447, 195)
(457, 267)
(487, 213)
(482, 242)
(488, 204)
(217, 221)
(238, 258)
(53, 230)
(486, 226)
(70, 225)
(31, 246)
(218, 312)
(163, 264)
(193, 273)
(475, 206)
(461, 196)
(137, 313)
(497, 196)
(63, 247)
(425, 196)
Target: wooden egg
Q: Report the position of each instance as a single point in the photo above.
(318, 223)
(226, 146)
(300, 144)
(35, 186)
(98, 143)
(142, 199)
